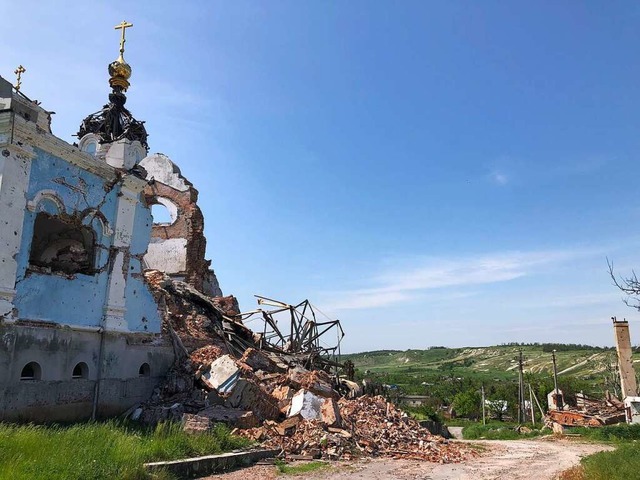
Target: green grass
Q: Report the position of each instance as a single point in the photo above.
(99, 451)
(496, 431)
(621, 464)
(299, 469)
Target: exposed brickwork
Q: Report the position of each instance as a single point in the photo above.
(189, 225)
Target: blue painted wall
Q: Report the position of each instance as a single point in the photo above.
(142, 311)
(81, 300)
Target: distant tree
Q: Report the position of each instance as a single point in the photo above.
(468, 404)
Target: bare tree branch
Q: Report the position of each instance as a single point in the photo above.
(630, 286)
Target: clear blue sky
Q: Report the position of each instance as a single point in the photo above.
(432, 173)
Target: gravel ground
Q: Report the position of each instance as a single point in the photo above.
(541, 459)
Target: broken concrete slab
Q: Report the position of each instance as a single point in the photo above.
(258, 360)
(306, 404)
(222, 375)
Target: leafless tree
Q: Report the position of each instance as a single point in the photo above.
(630, 286)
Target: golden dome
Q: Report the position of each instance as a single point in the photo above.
(120, 72)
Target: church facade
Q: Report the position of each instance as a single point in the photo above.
(80, 332)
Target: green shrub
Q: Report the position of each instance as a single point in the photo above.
(495, 431)
(611, 433)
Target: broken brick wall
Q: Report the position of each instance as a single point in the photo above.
(177, 247)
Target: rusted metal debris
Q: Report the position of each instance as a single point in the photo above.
(296, 330)
(590, 412)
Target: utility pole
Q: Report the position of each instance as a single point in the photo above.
(521, 409)
(533, 413)
(484, 418)
(559, 401)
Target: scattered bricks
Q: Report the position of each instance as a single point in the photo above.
(258, 360)
(289, 425)
(371, 427)
(228, 305)
(283, 394)
(192, 423)
(339, 431)
(330, 413)
(307, 405)
(249, 396)
(316, 381)
(222, 375)
(206, 355)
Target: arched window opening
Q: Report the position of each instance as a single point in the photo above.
(81, 370)
(161, 214)
(62, 246)
(145, 370)
(31, 371)
(91, 147)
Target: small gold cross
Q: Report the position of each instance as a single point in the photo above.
(19, 71)
(123, 26)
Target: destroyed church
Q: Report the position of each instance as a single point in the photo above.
(81, 330)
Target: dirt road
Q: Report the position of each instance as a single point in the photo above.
(513, 460)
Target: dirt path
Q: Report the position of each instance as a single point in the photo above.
(515, 460)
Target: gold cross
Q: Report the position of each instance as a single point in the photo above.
(19, 71)
(123, 26)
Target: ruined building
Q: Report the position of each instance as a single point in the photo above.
(80, 331)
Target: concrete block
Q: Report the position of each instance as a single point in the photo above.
(306, 404)
(202, 466)
(222, 375)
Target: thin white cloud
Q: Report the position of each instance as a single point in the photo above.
(499, 178)
(407, 283)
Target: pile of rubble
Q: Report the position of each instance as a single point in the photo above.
(281, 397)
(589, 412)
(367, 426)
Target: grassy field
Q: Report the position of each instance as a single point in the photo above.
(493, 362)
(412, 370)
(100, 450)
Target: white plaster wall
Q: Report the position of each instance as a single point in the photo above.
(15, 168)
(115, 307)
(163, 170)
(169, 255)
